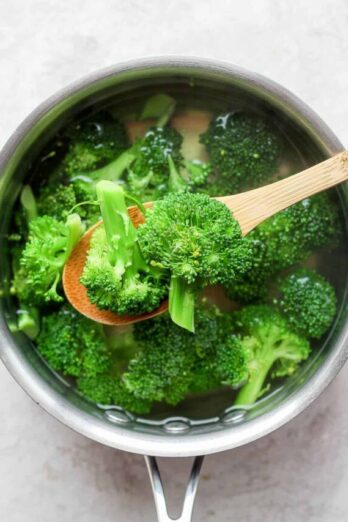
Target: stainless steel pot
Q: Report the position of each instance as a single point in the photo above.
(169, 436)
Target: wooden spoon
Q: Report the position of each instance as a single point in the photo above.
(249, 209)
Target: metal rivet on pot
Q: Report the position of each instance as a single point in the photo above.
(117, 416)
(234, 416)
(175, 426)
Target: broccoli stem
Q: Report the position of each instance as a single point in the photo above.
(176, 182)
(75, 231)
(159, 106)
(251, 391)
(28, 321)
(28, 203)
(114, 170)
(119, 229)
(182, 303)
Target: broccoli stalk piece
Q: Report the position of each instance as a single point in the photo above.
(28, 202)
(116, 275)
(308, 301)
(272, 349)
(243, 149)
(26, 211)
(49, 246)
(199, 242)
(28, 320)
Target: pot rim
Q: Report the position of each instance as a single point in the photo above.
(169, 445)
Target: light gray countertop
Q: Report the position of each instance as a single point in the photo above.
(49, 473)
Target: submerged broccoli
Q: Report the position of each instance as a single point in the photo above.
(220, 357)
(272, 349)
(308, 301)
(94, 142)
(199, 242)
(49, 246)
(243, 149)
(116, 275)
(78, 347)
(284, 239)
(172, 361)
(72, 344)
(108, 389)
(162, 370)
(56, 201)
(25, 213)
(28, 319)
(156, 156)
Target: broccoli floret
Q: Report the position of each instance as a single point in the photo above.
(221, 359)
(272, 349)
(153, 150)
(72, 344)
(49, 245)
(98, 149)
(197, 173)
(284, 239)
(173, 361)
(162, 370)
(116, 275)
(243, 149)
(293, 234)
(199, 242)
(77, 347)
(308, 301)
(94, 142)
(109, 389)
(231, 363)
(56, 201)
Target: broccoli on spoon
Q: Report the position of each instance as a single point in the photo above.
(189, 236)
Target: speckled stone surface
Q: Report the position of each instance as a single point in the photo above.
(47, 472)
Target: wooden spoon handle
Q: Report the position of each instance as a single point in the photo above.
(252, 207)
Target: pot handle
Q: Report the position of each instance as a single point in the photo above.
(158, 491)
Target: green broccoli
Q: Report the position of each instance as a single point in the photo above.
(156, 155)
(272, 348)
(199, 242)
(56, 201)
(308, 301)
(28, 319)
(93, 142)
(284, 239)
(72, 344)
(173, 362)
(116, 275)
(49, 245)
(244, 150)
(26, 212)
(77, 347)
(162, 370)
(108, 389)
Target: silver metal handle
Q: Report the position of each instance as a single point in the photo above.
(158, 491)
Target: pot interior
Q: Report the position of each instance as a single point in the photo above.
(123, 95)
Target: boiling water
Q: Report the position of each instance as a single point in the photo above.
(195, 106)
